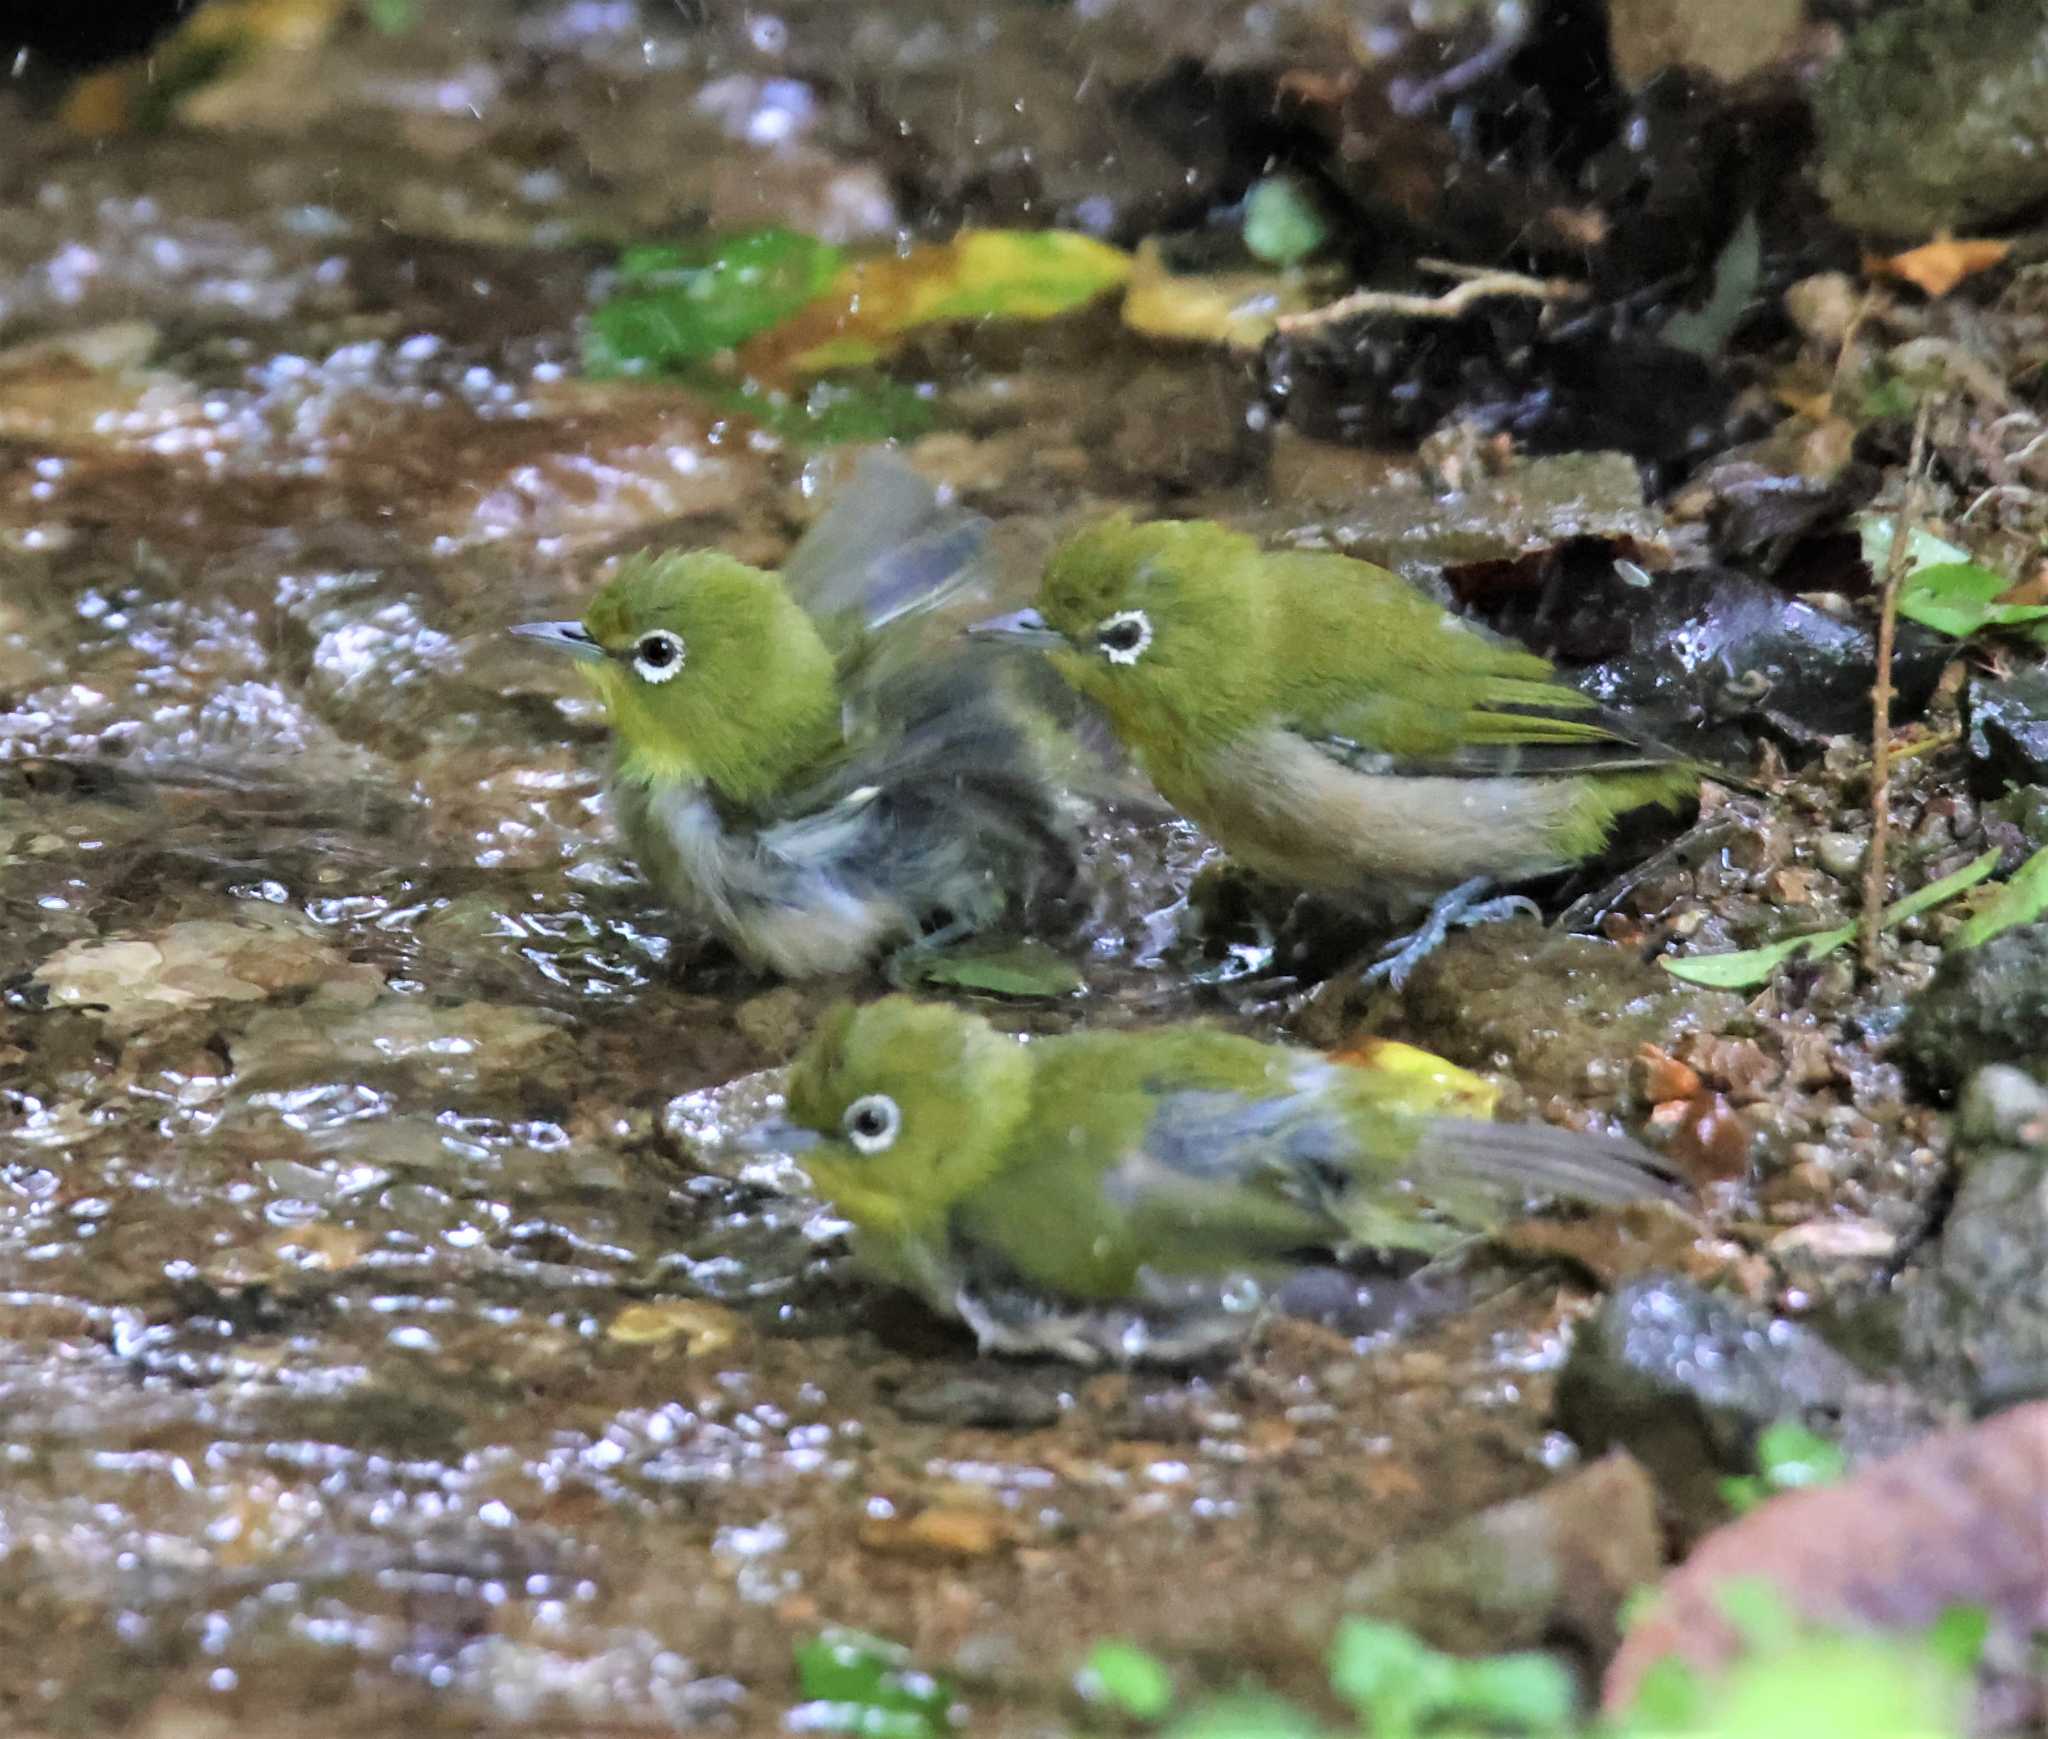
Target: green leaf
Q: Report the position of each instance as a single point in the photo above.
(1943, 588)
(1923, 548)
(1756, 1609)
(1388, 1674)
(1668, 1698)
(1958, 598)
(1283, 224)
(1023, 969)
(1751, 966)
(855, 1683)
(1738, 971)
(683, 304)
(1532, 1693)
(1128, 1679)
(1705, 331)
(2020, 900)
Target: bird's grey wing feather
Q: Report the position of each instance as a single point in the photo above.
(944, 799)
(1246, 1176)
(883, 548)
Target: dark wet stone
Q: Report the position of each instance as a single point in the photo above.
(1931, 120)
(1984, 1005)
(1757, 513)
(1388, 380)
(1979, 1305)
(2018, 823)
(2008, 724)
(1685, 1379)
(1708, 652)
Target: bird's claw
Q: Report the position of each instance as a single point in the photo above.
(1459, 909)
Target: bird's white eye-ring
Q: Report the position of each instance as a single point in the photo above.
(1124, 636)
(658, 655)
(871, 1122)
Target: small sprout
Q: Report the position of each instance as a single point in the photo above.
(1283, 225)
(1124, 1677)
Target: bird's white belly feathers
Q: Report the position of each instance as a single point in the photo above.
(796, 912)
(1289, 810)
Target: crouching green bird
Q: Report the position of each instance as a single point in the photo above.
(1139, 1195)
(1332, 728)
(794, 769)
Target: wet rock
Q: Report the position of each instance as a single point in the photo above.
(1955, 1521)
(131, 981)
(1684, 1379)
(1987, 1004)
(1560, 1014)
(1979, 1303)
(1705, 655)
(2018, 823)
(2008, 726)
(1932, 119)
(1420, 529)
(1555, 1566)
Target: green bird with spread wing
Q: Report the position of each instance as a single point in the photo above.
(795, 768)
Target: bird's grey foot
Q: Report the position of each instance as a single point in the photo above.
(1457, 910)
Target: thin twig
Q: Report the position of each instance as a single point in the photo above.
(1903, 522)
(1447, 306)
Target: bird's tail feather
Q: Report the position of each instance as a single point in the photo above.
(1520, 1160)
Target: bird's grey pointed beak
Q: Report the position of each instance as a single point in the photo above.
(778, 1135)
(1019, 628)
(568, 637)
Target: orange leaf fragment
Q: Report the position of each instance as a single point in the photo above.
(1937, 267)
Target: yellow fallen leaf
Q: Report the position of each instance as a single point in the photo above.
(1937, 267)
(710, 1327)
(1234, 309)
(872, 304)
